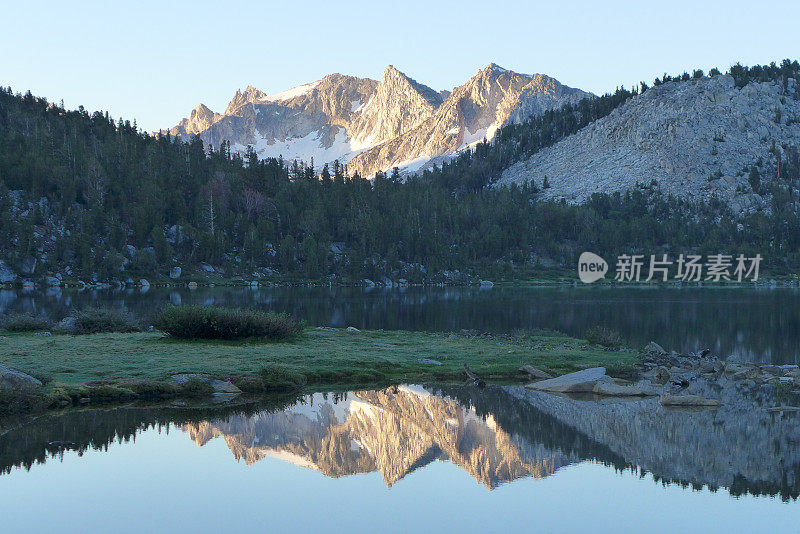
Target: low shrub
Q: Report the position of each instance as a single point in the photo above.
(110, 393)
(20, 400)
(26, 322)
(152, 388)
(103, 320)
(601, 335)
(195, 387)
(207, 322)
(281, 379)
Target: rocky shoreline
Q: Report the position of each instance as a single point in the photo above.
(698, 380)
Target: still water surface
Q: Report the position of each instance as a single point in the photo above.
(411, 458)
(753, 324)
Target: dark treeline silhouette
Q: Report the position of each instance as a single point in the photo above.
(85, 194)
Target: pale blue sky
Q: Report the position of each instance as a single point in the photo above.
(154, 61)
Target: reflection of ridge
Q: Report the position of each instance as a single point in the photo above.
(739, 446)
(494, 434)
(97, 429)
(394, 431)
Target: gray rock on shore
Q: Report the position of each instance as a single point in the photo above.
(610, 389)
(579, 382)
(534, 372)
(11, 378)
(7, 274)
(687, 400)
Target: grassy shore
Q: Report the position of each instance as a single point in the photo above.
(132, 365)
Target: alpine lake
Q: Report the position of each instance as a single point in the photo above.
(425, 457)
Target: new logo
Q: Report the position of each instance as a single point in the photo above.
(591, 267)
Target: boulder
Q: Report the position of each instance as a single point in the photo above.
(352, 329)
(7, 274)
(428, 361)
(534, 372)
(580, 382)
(687, 400)
(144, 283)
(207, 268)
(737, 368)
(68, 324)
(183, 378)
(52, 281)
(11, 378)
(655, 348)
(223, 386)
(610, 389)
(28, 265)
(175, 273)
(662, 375)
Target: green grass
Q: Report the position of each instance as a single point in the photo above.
(317, 357)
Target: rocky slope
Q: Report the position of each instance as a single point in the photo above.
(693, 138)
(376, 125)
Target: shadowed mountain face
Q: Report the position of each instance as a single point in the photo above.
(497, 435)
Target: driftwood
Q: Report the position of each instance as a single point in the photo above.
(475, 379)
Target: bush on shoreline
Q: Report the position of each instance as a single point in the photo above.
(207, 322)
(604, 336)
(26, 322)
(103, 320)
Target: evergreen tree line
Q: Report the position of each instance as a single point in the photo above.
(85, 193)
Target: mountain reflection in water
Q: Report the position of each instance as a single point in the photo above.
(497, 435)
(393, 431)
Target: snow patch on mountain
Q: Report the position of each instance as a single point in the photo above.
(305, 148)
(289, 94)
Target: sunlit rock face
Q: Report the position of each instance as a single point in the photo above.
(393, 431)
(473, 112)
(375, 125)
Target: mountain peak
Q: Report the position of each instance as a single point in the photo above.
(494, 70)
(392, 73)
(392, 76)
(250, 95)
(202, 109)
(375, 125)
